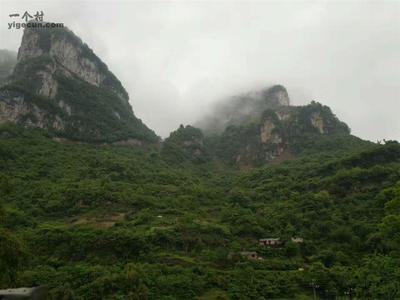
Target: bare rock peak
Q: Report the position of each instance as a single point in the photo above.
(279, 94)
(67, 89)
(69, 55)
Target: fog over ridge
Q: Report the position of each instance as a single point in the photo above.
(178, 59)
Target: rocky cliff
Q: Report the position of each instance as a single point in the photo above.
(242, 108)
(262, 127)
(60, 85)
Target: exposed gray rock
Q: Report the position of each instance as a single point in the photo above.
(71, 58)
(64, 106)
(240, 109)
(267, 131)
(14, 108)
(29, 45)
(68, 90)
(49, 85)
(318, 121)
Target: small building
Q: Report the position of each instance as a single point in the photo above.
(249, 254)
(34, 293)
(297, 240)
(270, 242)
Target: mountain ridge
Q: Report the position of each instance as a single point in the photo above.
(258, 128)
(60, 85)
(94, 206)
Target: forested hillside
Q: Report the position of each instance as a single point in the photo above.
(122, 222)
(266, 200)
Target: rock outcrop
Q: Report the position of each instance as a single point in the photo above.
(317, 121)
(242, 108)
(277, 95)
(60, 85)
(275, 133)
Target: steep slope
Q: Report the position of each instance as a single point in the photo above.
(186, 144)
(105, 221)
(276, 133)
(112, 222)
(243, 108)
(262, 127)
(60, 85)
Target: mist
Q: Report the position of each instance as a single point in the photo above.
(178, 59)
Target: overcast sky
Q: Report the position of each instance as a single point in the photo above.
(177, 58)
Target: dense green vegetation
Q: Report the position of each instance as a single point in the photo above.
(51, 96)
(186, 145)
(98, 114)
(291, 131)
(116, 222)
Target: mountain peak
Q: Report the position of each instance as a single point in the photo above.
(277, 95)
(59, 79)
(68, 54)
(241, 108)
(262, 126)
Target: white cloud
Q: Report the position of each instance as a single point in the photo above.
(177, 58)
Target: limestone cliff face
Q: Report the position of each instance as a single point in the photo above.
(277, 95)
(242, 108)
(273, 132)
(57, 76)
(268, 134)
(13, 107)
(277, 133)
(317, 121)
(68, 55)
(272, 136)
